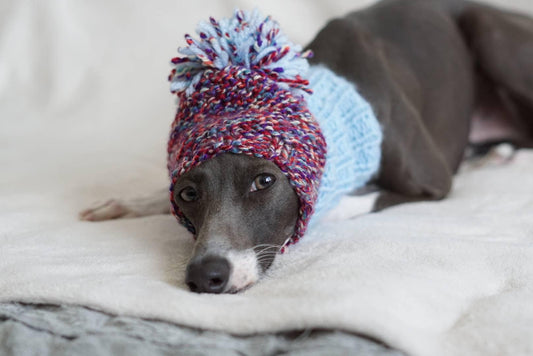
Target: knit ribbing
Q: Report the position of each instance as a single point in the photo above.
(352, 134)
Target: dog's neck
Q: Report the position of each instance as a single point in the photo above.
(353, 136)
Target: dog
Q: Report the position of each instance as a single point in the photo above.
(442, 76)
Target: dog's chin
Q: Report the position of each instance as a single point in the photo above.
(235, 290)
(245, 270)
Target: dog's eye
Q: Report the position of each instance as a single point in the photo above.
(188, 194)
(262, 181)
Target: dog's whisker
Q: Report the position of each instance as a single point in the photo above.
(269, 258)
(265, 258)
(266, 246)
(266, 251)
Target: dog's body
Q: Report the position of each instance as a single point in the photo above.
(427, 68)
(418, 63)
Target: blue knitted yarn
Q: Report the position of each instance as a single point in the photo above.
(247, 39)
(353, 136)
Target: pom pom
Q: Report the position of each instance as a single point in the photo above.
(246, 40)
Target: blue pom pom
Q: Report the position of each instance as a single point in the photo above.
(246, 40)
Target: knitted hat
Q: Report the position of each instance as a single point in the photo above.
(240, 91)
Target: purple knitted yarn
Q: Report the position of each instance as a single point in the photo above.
(249, 108)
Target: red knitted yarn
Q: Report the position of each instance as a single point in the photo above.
(243, 111)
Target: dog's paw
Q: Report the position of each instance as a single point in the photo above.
(501, 154)
(153, 204)
(498, 155)
(112, 209)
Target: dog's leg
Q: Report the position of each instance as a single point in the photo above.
(155, 204)
(502, 44)
(412, 169)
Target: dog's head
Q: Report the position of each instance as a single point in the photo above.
(243, 209)
(245, 154)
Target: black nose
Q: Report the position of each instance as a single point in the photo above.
(208, 275)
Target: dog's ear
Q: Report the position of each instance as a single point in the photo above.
(502, 44)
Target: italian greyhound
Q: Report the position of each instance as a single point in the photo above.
(441, 76)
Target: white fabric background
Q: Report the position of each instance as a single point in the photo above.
(84, 116)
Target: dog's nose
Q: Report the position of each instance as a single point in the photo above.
(208, 275)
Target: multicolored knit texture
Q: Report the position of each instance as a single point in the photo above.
(240, 91)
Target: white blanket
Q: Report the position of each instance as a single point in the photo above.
(84, 114)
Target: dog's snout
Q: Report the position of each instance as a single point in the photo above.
(208, 275)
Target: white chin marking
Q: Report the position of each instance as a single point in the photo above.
(244, 269)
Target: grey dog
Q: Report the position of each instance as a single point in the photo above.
(439, 75)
